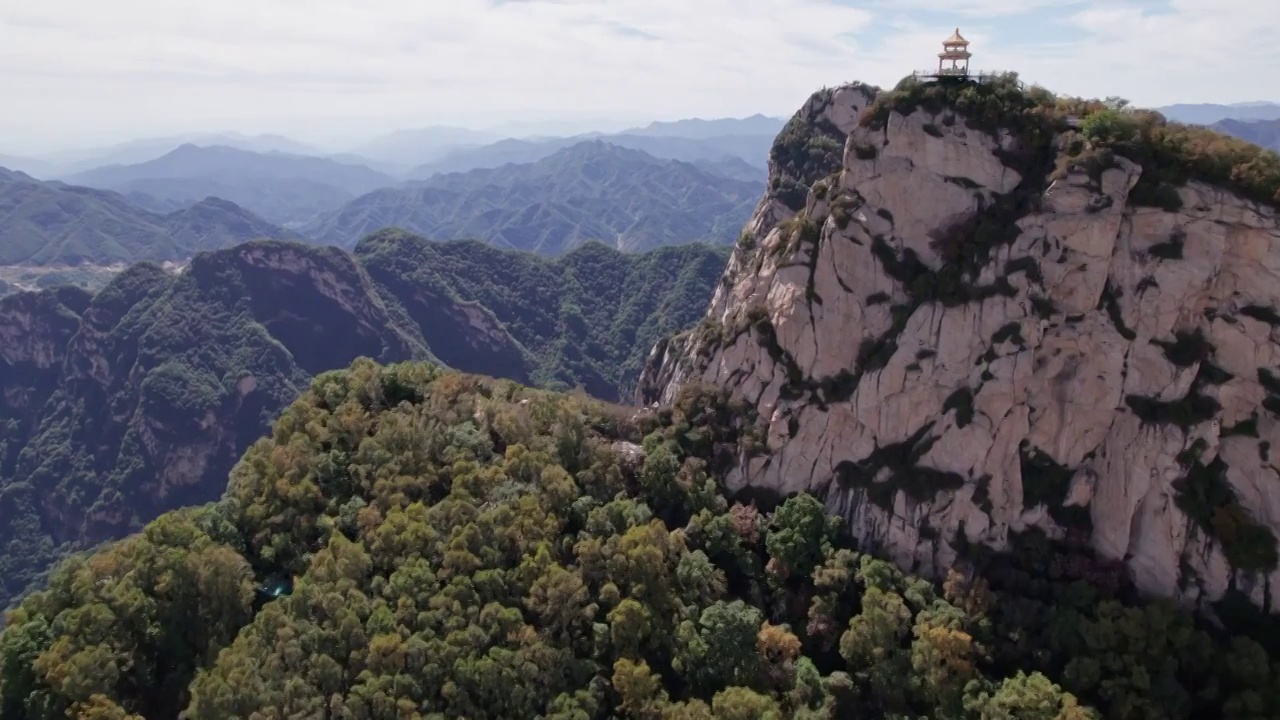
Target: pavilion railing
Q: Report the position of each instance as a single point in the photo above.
(981, 76)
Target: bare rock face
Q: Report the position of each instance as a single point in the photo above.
(963, 336)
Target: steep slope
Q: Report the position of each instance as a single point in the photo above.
(44, 223)
(120, 405)
(280, 187)
(979, 323)
(139, 400)
(590, 191)
(413, 543)
(1265, 133)
(586, 318)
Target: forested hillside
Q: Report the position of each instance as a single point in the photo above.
(1265, 133)
(118, 406)
(444, 545)
(586, 318)
(591, 190)
(49, 223)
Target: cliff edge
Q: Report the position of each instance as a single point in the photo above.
(999, 311)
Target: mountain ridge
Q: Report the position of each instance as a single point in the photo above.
(1265, 133)
(283, 188)
(748, 148)
(592, 190)
(45, 223)
(1210, 113)
(125, 403)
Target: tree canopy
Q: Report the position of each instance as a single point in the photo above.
(466, 547)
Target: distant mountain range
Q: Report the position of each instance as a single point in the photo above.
(592, 190)
(751, 149)
(50, 223)
(195, 199)
(698, 129)
(293, 185)
(284, 189)
(26, 165)
(734, 168)
(1208, 113)
(410, 148)
(1259, 132)
(68, 162)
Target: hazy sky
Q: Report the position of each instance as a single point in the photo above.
(78, 72)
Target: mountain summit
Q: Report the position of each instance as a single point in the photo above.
(973, 313)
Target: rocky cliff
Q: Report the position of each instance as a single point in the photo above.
(979, 323)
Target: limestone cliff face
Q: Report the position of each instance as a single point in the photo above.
(952, 339)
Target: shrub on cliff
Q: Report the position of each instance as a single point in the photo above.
(999, 103)
(1173, 153)
(1170, 153)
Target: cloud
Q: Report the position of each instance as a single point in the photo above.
(74, 71)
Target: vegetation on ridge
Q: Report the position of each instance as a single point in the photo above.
(465, 547)
(1170, 153)
(586, 318)
(808, 149)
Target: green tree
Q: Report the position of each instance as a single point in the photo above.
(799, 536)
(1028, 697)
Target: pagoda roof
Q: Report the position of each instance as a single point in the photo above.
(955, 39)
(958, 54)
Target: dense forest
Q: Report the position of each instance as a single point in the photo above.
(120, 405)
(416, 543)
(587, 318)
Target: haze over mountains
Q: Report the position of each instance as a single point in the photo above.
(589, 191)
(403, 152)
(663, 183)
(1209, 113)
(1259, 132)
(49, 223)
(283, 188)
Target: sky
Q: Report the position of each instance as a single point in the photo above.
(77, 73)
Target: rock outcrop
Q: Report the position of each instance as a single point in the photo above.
(965, 332)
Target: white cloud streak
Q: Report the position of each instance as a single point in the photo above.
(76, 71)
